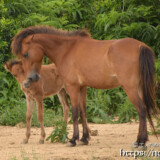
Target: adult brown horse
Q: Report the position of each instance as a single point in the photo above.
(83, 61)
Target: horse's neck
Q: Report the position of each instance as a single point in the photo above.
(56, 46)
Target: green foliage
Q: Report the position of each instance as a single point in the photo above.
(103, 106)
(8, 86)
(126, 112)
(106, 19)
(14, 115)
(17, 114)
(158, 82)
(49, 117)
(60, 133)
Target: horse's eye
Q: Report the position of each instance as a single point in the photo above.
(25, 55)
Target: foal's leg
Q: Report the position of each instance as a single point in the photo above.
(39, 101)
(63, 99)
(74, 93)
(141, 109)
(30, 107)
(85, 136)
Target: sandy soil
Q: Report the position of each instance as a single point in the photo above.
(105, 146)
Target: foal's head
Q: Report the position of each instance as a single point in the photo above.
(16, 69)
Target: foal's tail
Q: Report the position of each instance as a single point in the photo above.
(147, 71)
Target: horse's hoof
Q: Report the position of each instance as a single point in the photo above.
(41, 141)
(25, 141)
(135, 145)
(72, 143)
(83, 141)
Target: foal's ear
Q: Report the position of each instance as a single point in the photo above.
(7, 66)
(20, 62)
(32, 37)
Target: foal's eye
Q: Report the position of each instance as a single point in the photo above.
(25, 55)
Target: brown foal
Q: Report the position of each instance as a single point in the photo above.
(82, 61)
(49, 84)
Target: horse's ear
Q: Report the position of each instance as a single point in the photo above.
(28, 40)
(7, 66)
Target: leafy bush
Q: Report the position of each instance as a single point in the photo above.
(59, 133)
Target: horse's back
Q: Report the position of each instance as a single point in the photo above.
(87, 65)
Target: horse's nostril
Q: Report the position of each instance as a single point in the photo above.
(37, 77)
(30, 79)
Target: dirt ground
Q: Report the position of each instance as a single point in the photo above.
(105, 146)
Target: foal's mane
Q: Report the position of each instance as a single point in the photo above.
(14, 62)
(17, 40)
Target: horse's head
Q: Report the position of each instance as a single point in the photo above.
(30, 45)
(16, 69)
(31, 54)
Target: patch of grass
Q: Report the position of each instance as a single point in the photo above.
(14, 115)
(24, 156)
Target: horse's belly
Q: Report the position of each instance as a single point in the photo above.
(103, 82)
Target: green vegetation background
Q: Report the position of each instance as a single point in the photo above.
(105, 19)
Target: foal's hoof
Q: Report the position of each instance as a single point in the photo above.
(83, 141)
(72, 143)
(25, 141)
(41, 141)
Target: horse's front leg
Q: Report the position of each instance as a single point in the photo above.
(30, 107)
(39, 101)
(74, 94)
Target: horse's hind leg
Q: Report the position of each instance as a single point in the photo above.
(85, 136)
(30, 107)
(39, 101)
(63, 100)
(140, 107)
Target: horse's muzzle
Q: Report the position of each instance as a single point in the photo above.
(30, 79)
(34, 78)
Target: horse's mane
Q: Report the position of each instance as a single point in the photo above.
(17, 40)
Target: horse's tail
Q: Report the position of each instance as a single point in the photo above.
(147, 71)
